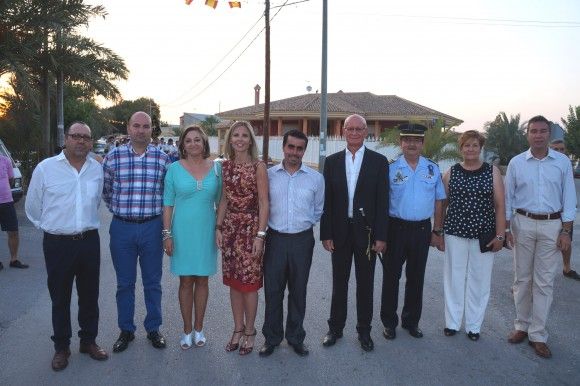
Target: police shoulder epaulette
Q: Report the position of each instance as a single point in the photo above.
(430, 160)
(391, 161)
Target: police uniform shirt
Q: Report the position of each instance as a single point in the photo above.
(412, 193)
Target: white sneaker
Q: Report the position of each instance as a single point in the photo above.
(199, 338)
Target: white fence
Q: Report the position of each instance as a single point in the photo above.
(333, 145)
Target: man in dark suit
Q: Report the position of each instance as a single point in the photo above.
(354, 222)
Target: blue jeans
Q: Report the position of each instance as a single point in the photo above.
(129, 242)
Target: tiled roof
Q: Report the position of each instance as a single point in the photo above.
(343, 103)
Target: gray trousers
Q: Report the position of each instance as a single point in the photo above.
(287, 261)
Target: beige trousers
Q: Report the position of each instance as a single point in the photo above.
(537, 260)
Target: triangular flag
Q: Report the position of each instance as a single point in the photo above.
(235, 4)
(211, 3)
(187, 2)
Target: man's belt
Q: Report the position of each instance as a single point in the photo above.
(534, 216)
(275, 232)
(74, 236)
(408, 223)
(136, 220)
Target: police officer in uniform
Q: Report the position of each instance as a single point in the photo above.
(416, 193)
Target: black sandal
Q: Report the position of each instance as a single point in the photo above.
(474, 336)
(17, 264)
(449, 331)
(234, 346)
(245, 350)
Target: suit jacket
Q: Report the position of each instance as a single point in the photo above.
(371, 194)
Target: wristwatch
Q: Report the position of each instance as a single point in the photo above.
(438, 232)
(500, 237)
(261, 234)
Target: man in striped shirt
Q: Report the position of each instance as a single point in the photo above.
(133, 191)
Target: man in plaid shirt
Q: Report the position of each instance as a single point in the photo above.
(133, 191)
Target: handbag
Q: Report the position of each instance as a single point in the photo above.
(484, 239)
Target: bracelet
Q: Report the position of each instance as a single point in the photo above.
(259, 238)
(261, 234)
(565, 231)
(167, 237)
(438, 232)
(508, 230)
(218, 227)
(500, 237)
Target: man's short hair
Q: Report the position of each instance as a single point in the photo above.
(296, 134)
(539, 118)
(66, 130)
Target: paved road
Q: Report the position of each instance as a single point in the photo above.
(26, 350)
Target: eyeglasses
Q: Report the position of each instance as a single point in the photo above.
(79, 137)
(355, 129)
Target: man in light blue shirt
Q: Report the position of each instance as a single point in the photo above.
(416, 193)
(539, 187)
(296, 203)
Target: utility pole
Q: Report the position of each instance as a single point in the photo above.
(323, 101)
(266, 125)
(60, 96)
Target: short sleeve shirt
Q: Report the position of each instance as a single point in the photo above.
(6, 172)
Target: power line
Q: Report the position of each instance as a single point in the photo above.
(235, 60)
(172, 103)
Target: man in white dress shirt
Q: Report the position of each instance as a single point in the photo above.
(63, 200)
(296, 202)
(540, 189)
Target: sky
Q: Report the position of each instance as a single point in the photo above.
(466, 58)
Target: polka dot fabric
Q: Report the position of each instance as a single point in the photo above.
(471, 210)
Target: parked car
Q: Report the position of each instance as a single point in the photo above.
(16, 185)
(577, 169)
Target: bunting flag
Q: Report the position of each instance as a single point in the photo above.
(235, 4)
(211, 3)
(187, 2)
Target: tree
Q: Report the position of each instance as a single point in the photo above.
(208, 125)
(505, 137)
(572, 135)
(440, 143)
(120, 113)
(39, 44)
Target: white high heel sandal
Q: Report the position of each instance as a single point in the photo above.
(186, 341)
(199, 338)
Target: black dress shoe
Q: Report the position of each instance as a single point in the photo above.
(300, 349)
(330, 338)
(415, 331)
(266, 350)
(389, 333)
(157, 340)
(123, 341)
(366, 343)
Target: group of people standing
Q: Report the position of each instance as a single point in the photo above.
(262, 221)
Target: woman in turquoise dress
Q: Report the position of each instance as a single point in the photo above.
(192, 190)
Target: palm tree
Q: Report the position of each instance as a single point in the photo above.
(572, 136)
(505, 137)
(440, 143)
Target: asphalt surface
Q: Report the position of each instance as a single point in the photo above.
(26, 349)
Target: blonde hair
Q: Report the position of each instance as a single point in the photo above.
(229, 150)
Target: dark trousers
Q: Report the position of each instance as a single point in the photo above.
(365, 273)
(66, 259)
(408, 241)
(287, 260)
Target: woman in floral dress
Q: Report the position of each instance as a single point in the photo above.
(240, 230)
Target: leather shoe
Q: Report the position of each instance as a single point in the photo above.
(300, 349)
(157, 340)
(389, 333)
(94, 351)
(60, 360)
(517, 336)
(366, 343)
(415, 331)
(123, 341)
(541, 349)
(266, 350)
(330, 338)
